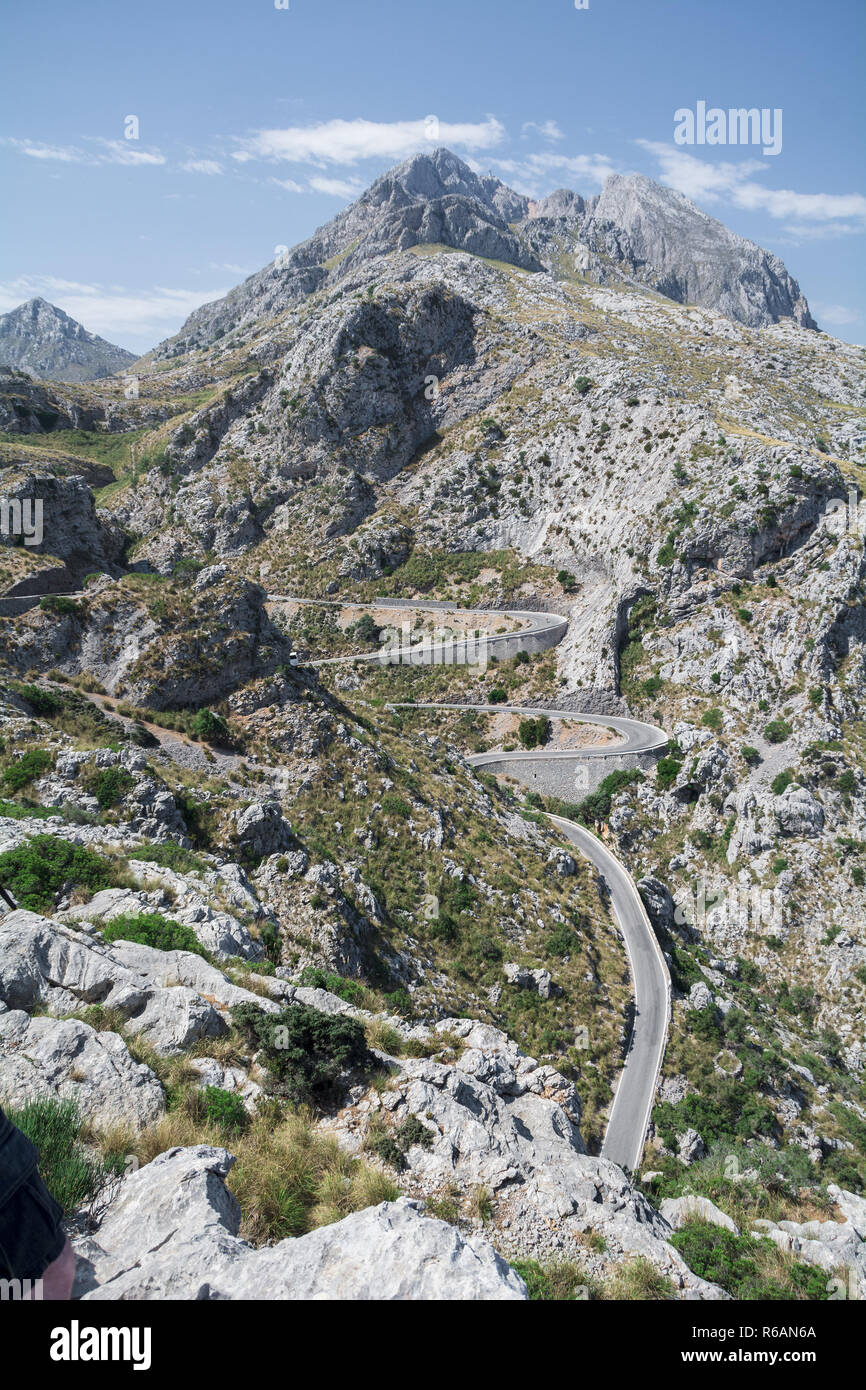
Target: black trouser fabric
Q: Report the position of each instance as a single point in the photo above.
(31, 1231)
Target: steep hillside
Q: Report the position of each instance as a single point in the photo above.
(613, 409)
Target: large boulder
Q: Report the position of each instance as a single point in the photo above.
(171, 1233)
(261, 829)
(677, 1211)
(45, 963)
(64, 1059)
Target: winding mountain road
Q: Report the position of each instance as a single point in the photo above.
(630, 1114)
(629, 1118)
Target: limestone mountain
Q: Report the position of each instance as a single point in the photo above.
(636, 230)
(42, 340)
(450, 394)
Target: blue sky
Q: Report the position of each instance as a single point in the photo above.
(257, 124)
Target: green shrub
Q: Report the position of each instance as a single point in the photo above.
(733, 1262)
(26, 769)
(351, 990)
(596, 806)
(667, 771)
(394, 805)
(718, 1255)
(846, 782)
(725, 1110)
(652, 685)
(412, 1131)
(73, 1176)
(781, 781)
(567, 580)
(365, 630)
(38, 870)
(744, 615)
(534, 733)
(10, 810)
(111, 785)
(750, 754)
(225, 1109)
(63, 607)
(779, 865)
(171, 856)
(565, 1282)
(582, 384)
(712, 719)
(816, 695)
(777, 731)
(210, 727)
(42, 702)
(667, 554)
(306, 1051)
(152, 929)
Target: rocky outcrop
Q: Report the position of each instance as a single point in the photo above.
(678, 1211)
(497, 1121)
(261, 829)
(658, 235)
(64, 971)
(30, 407)
(65, 1059)
(835, 1246)
(70, 526)
(172, 1233)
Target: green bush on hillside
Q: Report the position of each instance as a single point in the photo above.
(37, 871)
(73, 1176)
(152, 929)
(26, 769)
(306, 1051)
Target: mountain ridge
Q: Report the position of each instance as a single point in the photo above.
(635, 230)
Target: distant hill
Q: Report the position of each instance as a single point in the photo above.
(41, 339)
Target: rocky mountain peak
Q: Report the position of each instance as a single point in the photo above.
(660, 237)
(426, 177)
(39, 338)
(636, 230)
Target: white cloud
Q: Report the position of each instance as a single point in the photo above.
(230, 266)
(202, 166)
(338, 188)
(110, 310)
(730, 182)
(36, 150)
(125, 152)
(538, 174)
(289, 185)
(548, 130)
(798, 231)
(109, 152)
(348, 142)
(835, 313)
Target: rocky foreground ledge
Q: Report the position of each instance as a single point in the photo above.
(172, 1233)
(483, 1117)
